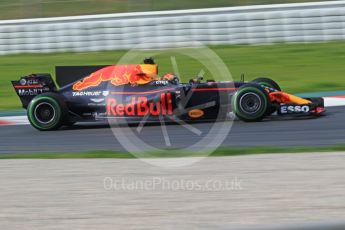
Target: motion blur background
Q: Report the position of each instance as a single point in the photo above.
(15, 9)
(296, 41)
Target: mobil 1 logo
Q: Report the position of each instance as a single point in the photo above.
(30, 92)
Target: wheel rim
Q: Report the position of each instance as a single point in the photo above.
(250, 103)
(44, 113)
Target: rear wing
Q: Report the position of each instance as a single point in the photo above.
(30, 86)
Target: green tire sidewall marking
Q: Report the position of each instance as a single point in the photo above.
(245, 116)
(31, 112)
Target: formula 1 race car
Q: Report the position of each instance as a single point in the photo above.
(134, 92)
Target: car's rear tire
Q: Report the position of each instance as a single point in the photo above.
(47, 112)
(264, 81)
(250, 103)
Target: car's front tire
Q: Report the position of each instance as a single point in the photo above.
(250, 103)
(47, 112)
(267, 82)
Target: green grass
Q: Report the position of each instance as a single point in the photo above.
(228, 151)
(297, 68)
(13, 9)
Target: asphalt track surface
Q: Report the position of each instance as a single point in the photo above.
(322, 131)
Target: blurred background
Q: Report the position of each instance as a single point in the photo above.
(14, 9)
(300, 44)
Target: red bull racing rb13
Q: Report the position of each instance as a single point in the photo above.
(135, 91)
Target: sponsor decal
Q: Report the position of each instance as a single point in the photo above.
(30, 92)
(97, 104)
(86, 93)
(105, 93)
(22, 81)
(32, 81)
(140, 106)
(195, 113)
(160, 82)
(97, 100)
(97, 115)
(286, 109)
(28, 81)
(118, 75)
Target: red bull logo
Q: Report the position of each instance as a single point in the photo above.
(118, 75)
(141, 106)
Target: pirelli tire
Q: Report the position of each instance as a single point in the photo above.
(251, 103)
(264, 81)
(47, 112)
(268, 82)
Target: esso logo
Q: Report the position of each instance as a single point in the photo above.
(295, 109)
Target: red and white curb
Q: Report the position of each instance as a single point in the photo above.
(334, 101)
(23, 120)
(14, 120)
